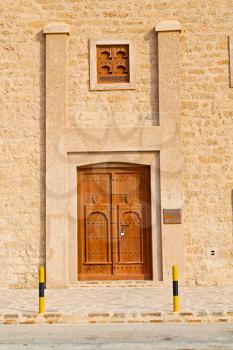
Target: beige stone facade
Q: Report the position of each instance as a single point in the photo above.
(51, 123)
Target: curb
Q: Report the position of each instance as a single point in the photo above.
(115, 317)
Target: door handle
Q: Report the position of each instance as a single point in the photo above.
(122, 229)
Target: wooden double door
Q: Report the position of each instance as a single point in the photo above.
(114, 223)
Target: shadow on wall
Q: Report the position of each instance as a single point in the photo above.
(41, 38)
(154, 94)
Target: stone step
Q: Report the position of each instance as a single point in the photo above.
(143, 284)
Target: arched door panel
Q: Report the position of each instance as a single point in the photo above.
(130, 235)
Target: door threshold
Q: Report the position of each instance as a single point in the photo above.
(116, 283)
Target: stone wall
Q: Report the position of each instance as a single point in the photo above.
(206, 117)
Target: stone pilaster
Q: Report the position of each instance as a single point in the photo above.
(56, 196)
(170, 154)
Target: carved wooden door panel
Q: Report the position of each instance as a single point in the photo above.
(114, 233)
(94, 222)
(133, 217)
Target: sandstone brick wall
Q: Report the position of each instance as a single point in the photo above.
(206, 116)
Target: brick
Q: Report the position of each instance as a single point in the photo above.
(98, 315)
(10, 318)
(52, 315)
(187, 313)
(217, 313)
(151, 314)
(119, 315)
(202, 314)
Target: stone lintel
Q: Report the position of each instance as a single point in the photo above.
(56, 28)
(168, 26)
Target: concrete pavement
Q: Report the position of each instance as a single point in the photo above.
(118, 337)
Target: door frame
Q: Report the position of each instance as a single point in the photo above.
(152, 159)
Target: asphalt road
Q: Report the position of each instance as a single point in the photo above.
(119, 337)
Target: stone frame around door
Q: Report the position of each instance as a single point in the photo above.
(63, 143)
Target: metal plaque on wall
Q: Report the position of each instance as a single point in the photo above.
(172, 216)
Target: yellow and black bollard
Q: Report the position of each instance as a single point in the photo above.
(41, 289)
(175, 288)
